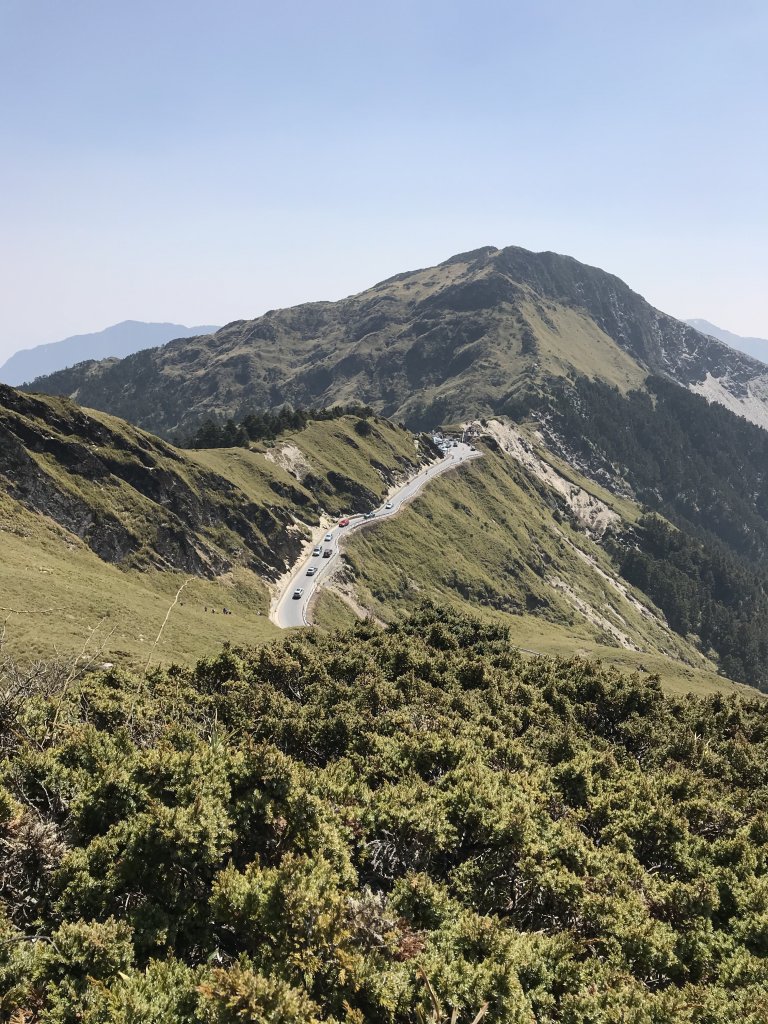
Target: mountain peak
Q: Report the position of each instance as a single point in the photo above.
(472, 256)
(444, 343)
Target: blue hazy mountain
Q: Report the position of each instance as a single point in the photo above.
(120, 340)
(755, 347)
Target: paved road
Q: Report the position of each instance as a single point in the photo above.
(290, 611)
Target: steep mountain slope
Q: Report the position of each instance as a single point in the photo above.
(446, 343)
(521, 539)
(116, 341)
(101, 523)
(755, 347)
(670, 491)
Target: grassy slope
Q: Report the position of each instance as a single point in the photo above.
(329, 612)
(490, 526)
(55, 592)
(326, 445)
(567, 342)
(58, 596)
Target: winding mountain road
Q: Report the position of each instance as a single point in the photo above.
(289, 611)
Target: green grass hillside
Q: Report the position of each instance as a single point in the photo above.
(119, 547)
(102, 524)
(495, 539)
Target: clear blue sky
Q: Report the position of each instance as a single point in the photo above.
(203, 162)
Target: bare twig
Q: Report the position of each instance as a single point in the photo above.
(31, 938)
(77, 669)
(165, 620)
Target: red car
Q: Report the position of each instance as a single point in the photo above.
(343, 522)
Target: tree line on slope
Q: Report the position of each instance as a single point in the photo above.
(704, 469)
(266, 426)
(705, 590)
(305, 832)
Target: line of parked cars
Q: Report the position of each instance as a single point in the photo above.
(318, 551)
(324, 552)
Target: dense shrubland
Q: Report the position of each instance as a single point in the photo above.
(295, 834)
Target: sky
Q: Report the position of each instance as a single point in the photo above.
(202, 162)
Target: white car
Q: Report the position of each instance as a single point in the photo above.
(298, 593)
(389, 505)
(317, 551)
(311, 570)
(328, 537)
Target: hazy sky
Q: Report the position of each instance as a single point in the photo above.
(205, 161)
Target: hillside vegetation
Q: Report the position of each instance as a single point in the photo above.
(304, 833)
(497, 540)
(118, 546)
(701, 467)
(101, 524)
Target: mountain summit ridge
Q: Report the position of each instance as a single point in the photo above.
(755, 347)
(448, 342)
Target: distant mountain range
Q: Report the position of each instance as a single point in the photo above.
(755, 347)
(450, 342)
(118, 341)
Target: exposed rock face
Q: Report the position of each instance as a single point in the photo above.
(447, 343)
(132, 498)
